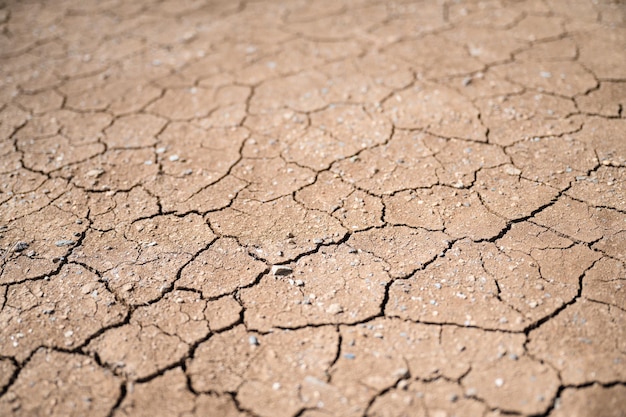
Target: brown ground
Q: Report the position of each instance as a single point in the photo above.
(443, 183)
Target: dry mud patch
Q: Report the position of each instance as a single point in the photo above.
(312, 208)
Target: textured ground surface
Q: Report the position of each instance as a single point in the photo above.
(355, 208)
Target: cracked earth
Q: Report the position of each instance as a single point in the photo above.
(312, 208)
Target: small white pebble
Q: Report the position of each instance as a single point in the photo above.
(334, 309)
(281, 270)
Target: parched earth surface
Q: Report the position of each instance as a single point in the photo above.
(312, 208)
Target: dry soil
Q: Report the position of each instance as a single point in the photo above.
(312, 208)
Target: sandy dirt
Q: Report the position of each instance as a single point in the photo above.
(312, 208)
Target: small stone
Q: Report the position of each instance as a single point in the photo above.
(281, 270)
(402, 373)
(334, 309)
(299, 283)
(174, 158)
(253, 341)
(20, 246)
(64, 242)
(512, 170)
(94, 173)
(499, 382)
(87, 288)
